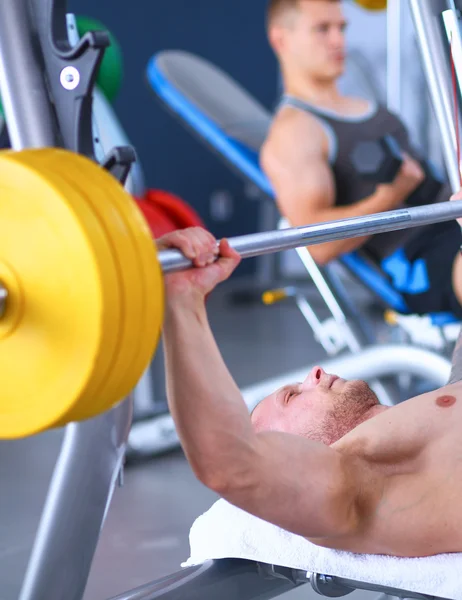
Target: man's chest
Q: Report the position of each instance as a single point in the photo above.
(417, 509)
(414, 431)
(412, 498)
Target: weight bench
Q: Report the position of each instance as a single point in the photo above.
(234, 125)
(240, 579)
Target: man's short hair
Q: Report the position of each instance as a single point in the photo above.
(278, 9)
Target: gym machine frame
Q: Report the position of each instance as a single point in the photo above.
(35, 53)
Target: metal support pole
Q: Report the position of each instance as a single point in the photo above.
(287, 239)
(27, 107)
(433, 46)
(452, 27)
(394, 49)
(451, 19)
(78, 499)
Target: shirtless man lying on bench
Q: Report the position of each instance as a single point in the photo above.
(320, 458)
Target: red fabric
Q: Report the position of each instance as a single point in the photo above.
(165, 212)
(179, 211)
(158, 221)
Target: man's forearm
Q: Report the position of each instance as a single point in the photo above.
(324, 253)
(382, 200)
(211, 417)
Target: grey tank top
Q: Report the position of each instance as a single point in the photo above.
(343, 133)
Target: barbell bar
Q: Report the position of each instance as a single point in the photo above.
(257, 244)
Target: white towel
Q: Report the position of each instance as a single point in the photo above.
(228, 532)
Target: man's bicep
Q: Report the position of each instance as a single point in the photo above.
(302, 180)
(299, 485)
(307, 193)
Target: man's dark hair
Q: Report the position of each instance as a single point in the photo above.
(279, 8)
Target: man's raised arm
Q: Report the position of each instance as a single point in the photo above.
(296, 483)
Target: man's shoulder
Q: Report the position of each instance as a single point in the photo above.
(292, 131)
(292, 121)
(400, 435)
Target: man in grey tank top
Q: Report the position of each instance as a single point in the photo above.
(307, 157)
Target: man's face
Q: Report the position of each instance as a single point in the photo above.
(312, 40)
(323, 408)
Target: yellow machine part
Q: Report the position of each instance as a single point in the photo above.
(372, 4)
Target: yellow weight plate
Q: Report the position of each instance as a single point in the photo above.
(136, 306)
(60, 276)
(372, 4)
(151, 279)
(86, 179)
(55, 164)
(61, 170)
(147, 258)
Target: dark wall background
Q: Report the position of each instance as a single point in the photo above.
(231, 35)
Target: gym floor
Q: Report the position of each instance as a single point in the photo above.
(146, 533)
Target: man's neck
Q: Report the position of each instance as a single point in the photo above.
(367, 416)
(321, 93)
(373, 412)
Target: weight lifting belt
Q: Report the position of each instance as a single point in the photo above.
(343, 133)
